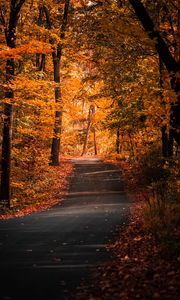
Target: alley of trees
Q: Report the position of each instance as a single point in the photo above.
(87, 77)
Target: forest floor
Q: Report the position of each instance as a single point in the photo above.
(60, 175)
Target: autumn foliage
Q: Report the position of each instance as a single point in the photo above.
(96, 77)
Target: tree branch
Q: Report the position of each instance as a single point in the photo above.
(48, 18)
(65, 18)
(17, 4)
(160, 45)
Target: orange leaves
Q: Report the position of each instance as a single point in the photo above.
(32, 87)
(45, 189)
(32, 47)
(10, 53)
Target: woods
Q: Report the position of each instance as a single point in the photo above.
(88, 77)
(97, 79)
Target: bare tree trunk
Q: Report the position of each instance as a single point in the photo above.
(89, 125)
(95, 141)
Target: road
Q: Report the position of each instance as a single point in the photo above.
(46, 255)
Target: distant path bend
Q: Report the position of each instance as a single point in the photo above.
(45, 255)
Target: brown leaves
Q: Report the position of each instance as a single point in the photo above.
(138, 271)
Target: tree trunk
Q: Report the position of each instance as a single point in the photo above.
(10, 34)
(89, 125)
(40, 58)
(160, 45)
(171, 64)
(86, 141)
(95, 142)
(6, 154)
(43, 63)
(118, 141)
(55, 147)
(40, 62)
(56, 141)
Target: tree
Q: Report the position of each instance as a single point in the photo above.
(89, 128)
(10, 35)
(171, 64)
(106, 60)
(113, 61)
(57, 54)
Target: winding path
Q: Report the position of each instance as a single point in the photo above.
(46, 255)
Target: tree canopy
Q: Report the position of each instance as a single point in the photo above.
(61, 58)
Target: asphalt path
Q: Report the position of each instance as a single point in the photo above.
(46, 255)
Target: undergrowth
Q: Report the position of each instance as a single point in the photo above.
(155, 181)
(36, 188)
(159, 180)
